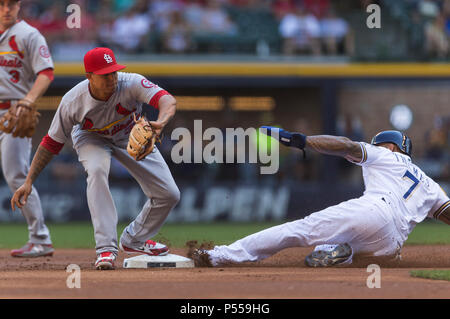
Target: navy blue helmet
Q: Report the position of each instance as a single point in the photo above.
(398, 138)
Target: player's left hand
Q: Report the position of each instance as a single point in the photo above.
(157, 127)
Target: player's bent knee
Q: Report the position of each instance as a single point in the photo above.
(170, 196)
(97, 172)
(173, 196)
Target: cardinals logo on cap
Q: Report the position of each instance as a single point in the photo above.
(108, 58)
(101, 61)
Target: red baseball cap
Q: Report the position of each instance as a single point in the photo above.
(101, 61)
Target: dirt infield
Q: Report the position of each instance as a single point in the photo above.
(282, 276)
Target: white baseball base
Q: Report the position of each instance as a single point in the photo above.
(167, 261)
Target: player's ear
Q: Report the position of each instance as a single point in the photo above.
(390, 146)
(88, 75)
(396, 148)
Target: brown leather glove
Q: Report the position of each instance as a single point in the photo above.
(142, 139)
(21, 119)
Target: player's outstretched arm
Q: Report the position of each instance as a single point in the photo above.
(40, 160)
(325, 144)
(335, 145)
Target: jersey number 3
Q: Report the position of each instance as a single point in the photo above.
(410, 176)
(15, 76)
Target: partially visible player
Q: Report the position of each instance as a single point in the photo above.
(398, 195)
(98, 114)
(26, 71)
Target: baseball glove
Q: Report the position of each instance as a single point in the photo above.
(21, 119)
(142, 139)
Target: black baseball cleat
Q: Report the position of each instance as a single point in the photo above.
(334, 255)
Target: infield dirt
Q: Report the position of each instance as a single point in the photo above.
(282, 276)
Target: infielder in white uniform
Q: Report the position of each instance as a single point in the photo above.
(26, 71)
(398, 195)
(98, 115)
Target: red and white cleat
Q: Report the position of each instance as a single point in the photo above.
(31, 250)
(150, 247)
(105, 261)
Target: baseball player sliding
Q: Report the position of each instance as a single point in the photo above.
(398, 195)
(26, 71)
(98, 114)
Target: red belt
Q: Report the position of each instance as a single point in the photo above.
(4, 105)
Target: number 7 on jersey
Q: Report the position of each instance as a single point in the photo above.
(410, 176)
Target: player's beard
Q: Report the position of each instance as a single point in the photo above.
(6, 22)
(109, 90)
(111, 87)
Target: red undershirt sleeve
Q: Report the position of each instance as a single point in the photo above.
(49, 73)
(155, 99)
(51, 145)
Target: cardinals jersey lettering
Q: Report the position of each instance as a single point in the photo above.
(23, 54)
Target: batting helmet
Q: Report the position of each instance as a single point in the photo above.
(398, 138)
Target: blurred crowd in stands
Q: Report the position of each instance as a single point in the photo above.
(309, 27)
(289, 27)
(436, 160)
(431, 18)
(184, 26)
(193, 26)
(437, 29)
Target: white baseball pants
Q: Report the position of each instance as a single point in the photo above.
(366, 224)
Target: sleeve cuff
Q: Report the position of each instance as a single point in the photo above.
(51, 145)
(48, 72)
(364, 156)
(364, 153)
(155, 99)
(437, 213)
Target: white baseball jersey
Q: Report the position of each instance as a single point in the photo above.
(113, 119)
(393, 174)
(23, 54)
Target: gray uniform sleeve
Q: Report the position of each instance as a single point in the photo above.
(39, 53)
(145, 91)
(62, 124)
